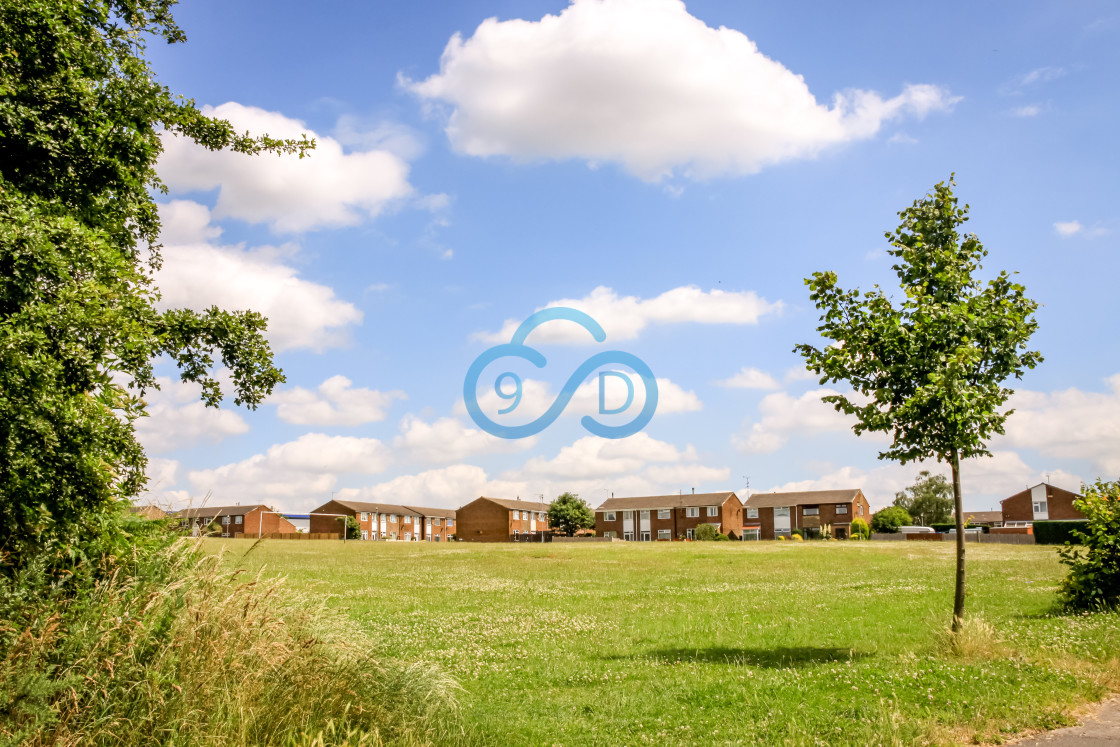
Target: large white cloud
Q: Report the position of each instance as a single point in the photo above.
(177, 418)
(297, 475)
(625, 317)
(644, 84)
(594, 457)
(335, 402)
(449, 440)
(449, 487)
(749, 378)
(783, 417)
(329, 187)
(198, 273)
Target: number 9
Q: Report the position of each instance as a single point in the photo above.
(515, 395)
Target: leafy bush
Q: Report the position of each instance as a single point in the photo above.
(1058, 532)
(798, 532)
(860, 529)
(705, 533)
(889, 520)
(1093, 581)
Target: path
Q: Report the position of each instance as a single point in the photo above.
(1098, 730)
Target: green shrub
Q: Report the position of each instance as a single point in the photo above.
(1093, 580)
(860, 529)
(1058, 532)
(705, 533)
(798, 532)
(888, 520)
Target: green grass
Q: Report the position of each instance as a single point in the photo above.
(730, 643)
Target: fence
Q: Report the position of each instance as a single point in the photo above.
(291, 536)
(586, 539)
(993, 539)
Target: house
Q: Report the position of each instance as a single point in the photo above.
(983, 518)
(668, 517)
(254, 520)
(773, 515)
(498, 520)
(149, 511)
(1043, 502)
(385, 521)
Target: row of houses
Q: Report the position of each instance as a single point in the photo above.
(764, 516)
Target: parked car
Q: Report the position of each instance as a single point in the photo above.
(916, 530)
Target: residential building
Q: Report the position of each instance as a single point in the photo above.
(984, 518)
(773, 515)
(668, 517)
(1043, 502)
(385, 521)
(252, 520)
(498, 520)
(149, 511)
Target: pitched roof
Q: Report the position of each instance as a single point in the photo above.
(212, 511)
(517, 504)
(802, 498)
(984, 516)
(371, 508)
(665, 501)
(443, 513)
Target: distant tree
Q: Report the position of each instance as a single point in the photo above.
(705, 533)
(569, 513)
(890, 519)
(931, 371)
(1093, 580)
(929, 500)
(860, 529)
(353, 529)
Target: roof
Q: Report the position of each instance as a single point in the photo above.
(802, 498)
(984, 516)
(665, 501)
(1041, 484)
(443, 513)
(517, 504)
(370, 508)
(208, 511)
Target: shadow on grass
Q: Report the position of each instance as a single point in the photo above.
(782, 657)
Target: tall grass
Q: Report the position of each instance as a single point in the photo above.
(177, 649)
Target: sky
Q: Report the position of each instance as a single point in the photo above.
(673, 171)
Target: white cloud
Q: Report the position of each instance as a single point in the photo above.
(449, 440)
(1041, 75)
(594, 457)
(750, 378)
(644, 84)
(449, 487)
(1030, 110)
(297, 475)
(335, 402)
(329, 187)
(625, 317)
(177, 418)
(901, 138)
(783, 416)
(197, 274)
(1067, 228)
(799, 373)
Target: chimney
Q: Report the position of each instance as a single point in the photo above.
(694, 491)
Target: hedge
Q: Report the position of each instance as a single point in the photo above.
(1057, 532)
(953, 528)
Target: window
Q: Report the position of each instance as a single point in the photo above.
(628, 536)
(841, 508)
(752, 513)
(663, 534)
(645, 536)
(437, 538)
(811, 511)
(393, 518)
(610, 535)
(662, 513)
(238, 519)
(365, 516)
(644, 515)
(540, 515)
(225, 521)
(861, 509)
(407, 519)
(450, 522)
(713, 510)
(608, 516)
(365, 533)
(437, 521)
(692, 512)
(627, 515)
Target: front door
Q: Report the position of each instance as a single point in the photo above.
(645, 537)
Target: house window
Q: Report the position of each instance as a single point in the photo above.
(628, 536)
(393, 518)
(238, 519)
(627, 515)
(752, 513)
(365, 534)
(713, 510)
(645, 536)
(692, 512)
(811, 511)
(610, 535)
(450, 523)
(841, 508)
(608, 516)
(663, 534)
(1039, 507)
(225, 520)
(365, 516)
(662, 513)
(861, 509)
(437, 521)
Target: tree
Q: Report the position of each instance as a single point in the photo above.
(569, 513)
(1093, 580)
(705, 533)
(931, 371)
(889, 519)
(353, 529)
(929, 500)
(81, 115)
(860, 529)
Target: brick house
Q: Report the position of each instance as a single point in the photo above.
(385, 521)
(497, 520)
(770, 515)
(1043, 502)
(984, 518)
(150, 511)
(234, 520)
(668, 517)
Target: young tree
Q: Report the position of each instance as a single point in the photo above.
(569, 513)
(81, 116)
(931, 371)
(889, 519)
(1093, 580)
(929, 500)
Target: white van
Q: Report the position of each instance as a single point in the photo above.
(916, 530)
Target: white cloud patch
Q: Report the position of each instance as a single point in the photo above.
(644, 84)
(328, 188)
(177, 418)
(594, 457)
(1041, 75)
(901, 138)
(625, 317)
(449, 487)
(750, 378)
(335, 402)
(297, 475)
(450, 440)
(783, 416)
(1068, 228)
(198, 273)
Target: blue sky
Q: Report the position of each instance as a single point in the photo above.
(676, 172)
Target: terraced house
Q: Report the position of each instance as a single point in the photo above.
(773, 515)
(668, 517)
(499, 520)
(386, 521)
(234, 520)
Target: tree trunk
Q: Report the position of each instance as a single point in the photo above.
(958, 597)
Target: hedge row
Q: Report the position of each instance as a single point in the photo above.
(951, 528)
(1057, 532)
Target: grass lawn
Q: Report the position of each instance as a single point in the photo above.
(822, 643)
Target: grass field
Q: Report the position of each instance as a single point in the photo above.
(823, 643)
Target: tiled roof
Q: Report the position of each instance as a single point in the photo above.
(211, 511)
(665, 501)
(517, 504)
(443, 513)
(371, 508)
(984, 516)
(807, 497)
